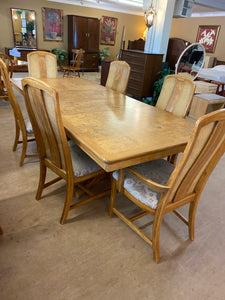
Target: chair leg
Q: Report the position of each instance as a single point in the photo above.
(24, 150)
(112, 197)
(69, 196)
(172, 159)
(66, 73)
(17, 135)
(191, 223)
(41, 180)
(1, 231)
(155, 236)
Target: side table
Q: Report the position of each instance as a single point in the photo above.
(205, 87)
(20, 66)
(205, 103)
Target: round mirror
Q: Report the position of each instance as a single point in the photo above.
(191, 61)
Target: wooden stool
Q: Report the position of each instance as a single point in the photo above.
(205, 103)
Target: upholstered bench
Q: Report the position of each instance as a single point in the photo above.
(205, 103)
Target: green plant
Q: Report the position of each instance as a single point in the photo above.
(103, 53)
(61, 56)
(30, 26)
(157, 86)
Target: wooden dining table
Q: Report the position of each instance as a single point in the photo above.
(115, 130)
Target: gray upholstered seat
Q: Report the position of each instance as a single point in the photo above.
(157, 170)
(28, 124)
(82, 163)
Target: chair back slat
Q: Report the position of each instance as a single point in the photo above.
(78, 58)
(203, 151)
(43, 107)
(119, 73)
(176, 95)
(42, 64)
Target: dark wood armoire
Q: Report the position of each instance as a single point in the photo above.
(175, 47)
(83, 32)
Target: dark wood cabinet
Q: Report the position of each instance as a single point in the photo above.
(21, 66)
(83, 32)
(145, 70)
(105, 69)
(175, 48)
(136, 45)
(22, 51)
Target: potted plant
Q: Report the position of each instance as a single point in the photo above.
(157, 86)
(30, 26)
(103, 53)
(61, 56)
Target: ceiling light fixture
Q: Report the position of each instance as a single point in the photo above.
(149, 16)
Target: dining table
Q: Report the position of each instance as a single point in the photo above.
(115, 130)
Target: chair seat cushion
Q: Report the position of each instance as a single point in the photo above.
(157, 170)
(28, 125)
(82, 163)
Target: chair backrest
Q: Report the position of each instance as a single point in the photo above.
(12, 98)
(42, 64)
(8, 62)
(42, 104)
(176, 95)
(119, 73)
(78, 57)
(204, 149)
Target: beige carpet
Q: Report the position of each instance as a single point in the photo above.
(93, 256)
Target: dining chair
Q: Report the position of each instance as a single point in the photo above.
(62, 157)
(176, 97)
(119, 73)
(42, 64)
(158, 187)
(9, 66)
(70, 71)
(22, 123)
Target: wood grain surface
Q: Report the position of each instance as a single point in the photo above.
(116, 130)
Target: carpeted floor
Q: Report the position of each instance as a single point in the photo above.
(93, 256)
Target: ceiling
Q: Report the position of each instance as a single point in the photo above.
(201, 8)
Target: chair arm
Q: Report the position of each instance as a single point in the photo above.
(154, 185)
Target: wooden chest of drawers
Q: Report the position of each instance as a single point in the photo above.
(145, 70)
(91, 61)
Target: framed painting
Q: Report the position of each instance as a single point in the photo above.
(207, 36)
(108, 31)
(52, 24)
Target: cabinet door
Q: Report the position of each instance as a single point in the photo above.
(80, 33)
(93, 35)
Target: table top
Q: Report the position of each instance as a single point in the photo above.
(116, 130)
